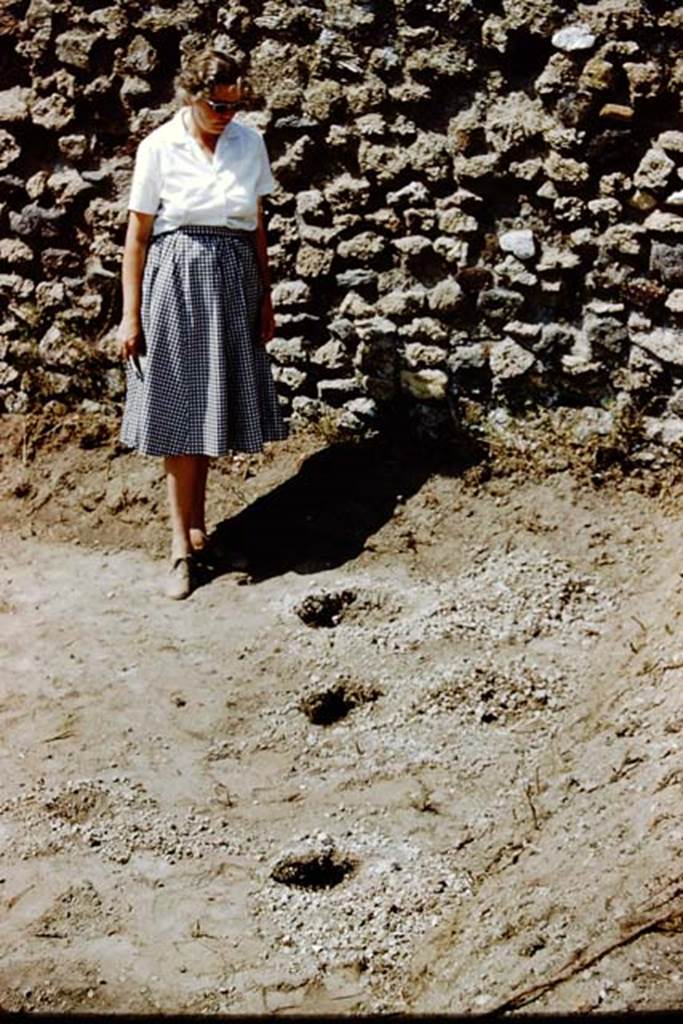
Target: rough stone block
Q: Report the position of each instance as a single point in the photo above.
(288, 350)
(455, 222)
(73, 147)
(512, 271)
(357, 278)
(605, 333)
(520, 242)
(141, 57)
(417, 355)
(446, 296)
(654, 170)
(469, 357)
(425, 328)
(312, 262)
(573, 37)
(311, 205)
(336, 392)
(665, 343)
(355, 305)
(662, 222)
(364, 247)
(323, 99)
(14, 104)
(331, 356)
(291, 293)
(410, 195)
(508, 360)
(9, 149)
(53, 112)
(666, 260)
(59, 261)
(566, 170)
(425, 384)
(74, 47)
(289, 377)
(499, 303)
(385, 163)
(346, 193)
(365, 408)
(16, 252)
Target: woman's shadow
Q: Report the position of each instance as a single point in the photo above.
(324, 515)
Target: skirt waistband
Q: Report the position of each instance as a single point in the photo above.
(207, 229)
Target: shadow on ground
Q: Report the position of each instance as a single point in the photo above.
(323, 516)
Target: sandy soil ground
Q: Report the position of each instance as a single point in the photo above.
(422, 753)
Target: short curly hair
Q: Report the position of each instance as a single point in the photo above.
(207, 68)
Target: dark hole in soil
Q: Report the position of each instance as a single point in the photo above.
(312, 871)
(325, 609)
(333, 704)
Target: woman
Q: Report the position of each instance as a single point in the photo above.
(197, 308)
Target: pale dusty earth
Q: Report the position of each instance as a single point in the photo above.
(420, 751)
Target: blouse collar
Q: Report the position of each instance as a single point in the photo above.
(179, 134)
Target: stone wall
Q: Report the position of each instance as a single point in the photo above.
(479, 203)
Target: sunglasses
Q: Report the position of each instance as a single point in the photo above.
(224, 108)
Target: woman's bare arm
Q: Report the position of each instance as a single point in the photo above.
(134, 255)
(267, 316)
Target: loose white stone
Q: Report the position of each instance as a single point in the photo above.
(674, 301)
(671, 140)
(668, 430)
(654, 169)
(425, 384)
(14, 104)
(665, 343)
(363, 407)
(573, 37)
(291, 293)
(602, 306)
(9, 149)
(520, 242)
(513, 272)
(664, 223)
(522, 329)
(419, 356)
(509, 360)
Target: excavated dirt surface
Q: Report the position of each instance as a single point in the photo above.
(421, 752)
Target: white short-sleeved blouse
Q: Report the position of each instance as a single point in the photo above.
(175, 179)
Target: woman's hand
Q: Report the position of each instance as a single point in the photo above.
(267, 319)
(138, 233)
(129, 336)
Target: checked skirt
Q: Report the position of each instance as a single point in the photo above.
(204, 385)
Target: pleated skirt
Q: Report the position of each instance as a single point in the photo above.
(204, 385)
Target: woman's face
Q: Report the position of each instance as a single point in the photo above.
(212, 121)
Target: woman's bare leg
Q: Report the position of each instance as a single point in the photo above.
(182, 475)
(198, 515)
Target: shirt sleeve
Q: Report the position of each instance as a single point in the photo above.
(265, 181)
(145, 189)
